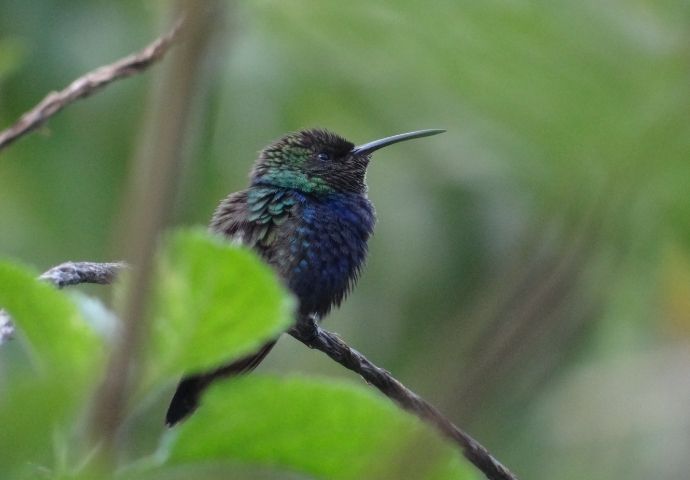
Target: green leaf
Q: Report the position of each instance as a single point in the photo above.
(213, 302)
(30, 410)
(49, 326)
(65, 355)
(322, 428)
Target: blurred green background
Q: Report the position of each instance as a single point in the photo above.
(530, 271)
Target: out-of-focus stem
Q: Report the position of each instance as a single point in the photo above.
(149, 205)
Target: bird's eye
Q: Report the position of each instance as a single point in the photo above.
(324, 156)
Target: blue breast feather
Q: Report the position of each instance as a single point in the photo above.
(328, 248)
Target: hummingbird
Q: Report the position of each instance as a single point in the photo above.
(307, 214)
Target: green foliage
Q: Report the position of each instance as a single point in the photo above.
(56, 337)
(326, 429)
(63, 354)
(212, 302)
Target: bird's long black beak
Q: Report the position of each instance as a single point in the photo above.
(371, 147)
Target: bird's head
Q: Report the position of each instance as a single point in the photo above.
(319, 162)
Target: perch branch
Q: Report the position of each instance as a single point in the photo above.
(88, 84)
(309, 333)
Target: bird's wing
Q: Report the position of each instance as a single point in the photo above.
(230, 218)
(256, 218)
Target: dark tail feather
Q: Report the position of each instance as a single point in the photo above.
(188, 393)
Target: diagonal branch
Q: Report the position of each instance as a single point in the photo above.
(309, 333)
(88, 84)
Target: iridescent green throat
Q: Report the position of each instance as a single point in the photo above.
(288, 178)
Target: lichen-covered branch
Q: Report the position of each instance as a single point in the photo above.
(309, 333)
(64, 275)
(88, 84)
(74, 273)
